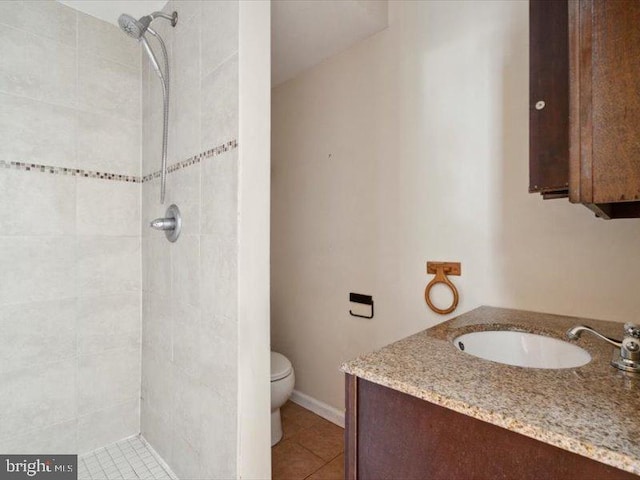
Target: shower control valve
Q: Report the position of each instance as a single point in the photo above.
(164, 224)
(171, 224)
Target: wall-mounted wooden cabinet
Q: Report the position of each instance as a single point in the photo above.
(585, 103)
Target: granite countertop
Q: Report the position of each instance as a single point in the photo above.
(593, 410)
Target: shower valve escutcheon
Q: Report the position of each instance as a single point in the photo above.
(171, 224)
(628, 357)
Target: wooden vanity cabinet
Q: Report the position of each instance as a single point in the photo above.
(392, 435)
(585, 103)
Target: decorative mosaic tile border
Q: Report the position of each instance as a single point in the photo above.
(78, 172)
(213, 152)
(74, 172)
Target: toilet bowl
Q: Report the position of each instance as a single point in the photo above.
(282, 381)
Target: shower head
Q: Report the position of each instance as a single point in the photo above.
(132, 27)
(138, 29)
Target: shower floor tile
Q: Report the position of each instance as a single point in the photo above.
(129, 459)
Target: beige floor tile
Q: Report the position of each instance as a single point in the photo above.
(290, 428)
(334, 470)
(311, 447)
(291, 461)
(324, 439)
(301, 416)
(290, 409)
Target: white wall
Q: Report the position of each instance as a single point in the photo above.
(254, 387)
(413, 146)
(69, 244)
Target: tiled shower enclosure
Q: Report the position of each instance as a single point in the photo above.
(108, 330)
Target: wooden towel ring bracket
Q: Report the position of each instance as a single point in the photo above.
(441, 270)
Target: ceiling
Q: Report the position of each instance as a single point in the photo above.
(303, 32)
(110, 10)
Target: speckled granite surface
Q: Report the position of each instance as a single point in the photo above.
(592, 410)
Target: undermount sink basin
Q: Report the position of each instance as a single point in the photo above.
(522, 349)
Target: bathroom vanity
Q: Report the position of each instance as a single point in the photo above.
(421, 408)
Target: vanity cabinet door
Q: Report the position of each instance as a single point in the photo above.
(392, 435)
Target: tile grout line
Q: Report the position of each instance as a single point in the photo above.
(161, 461)
(315, 471)
(86, 469)
(102, 466)
(76, 301)
(128, 459)
(124, 454)
(115, 462)
(138, 471)
(317, 456)
(294, 440)
(312, 453)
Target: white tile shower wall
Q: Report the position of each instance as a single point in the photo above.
(70, 302)
(189, 339)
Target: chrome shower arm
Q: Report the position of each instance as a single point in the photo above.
(173, 18)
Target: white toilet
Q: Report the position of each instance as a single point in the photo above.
(282, 381)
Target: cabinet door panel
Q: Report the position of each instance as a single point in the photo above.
(615, 100)
(605, 106)
(548, 83)
(400, 436)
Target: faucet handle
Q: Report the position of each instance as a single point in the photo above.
(630, 350)
(163, 223)
(632, 330)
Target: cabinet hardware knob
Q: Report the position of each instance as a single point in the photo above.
(540, 104)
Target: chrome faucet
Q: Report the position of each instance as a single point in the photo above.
(628, 358)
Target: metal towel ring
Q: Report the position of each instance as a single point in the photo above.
(441, 269)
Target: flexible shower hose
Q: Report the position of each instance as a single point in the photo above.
(165, 104)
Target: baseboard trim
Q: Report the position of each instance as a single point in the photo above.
(327, 412)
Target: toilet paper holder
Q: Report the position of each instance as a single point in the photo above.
(360, 298)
